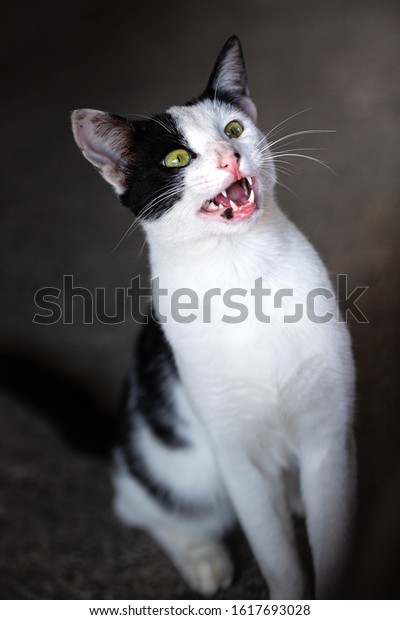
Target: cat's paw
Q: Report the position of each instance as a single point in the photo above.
(207, 568)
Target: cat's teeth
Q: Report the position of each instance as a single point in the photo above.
(212, 207)
(251, 197)
(249, 181)
(224, 193)
(234, 206)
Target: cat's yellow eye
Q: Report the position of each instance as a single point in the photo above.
(177, 159)
(234, 129)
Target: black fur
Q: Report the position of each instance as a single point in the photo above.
(148, 178)
(147, 402)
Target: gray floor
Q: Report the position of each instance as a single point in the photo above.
(59, 538)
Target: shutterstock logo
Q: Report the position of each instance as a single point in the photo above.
(71, 303)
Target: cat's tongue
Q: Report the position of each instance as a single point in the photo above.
(234, 192)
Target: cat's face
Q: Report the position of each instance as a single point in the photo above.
(194, 171)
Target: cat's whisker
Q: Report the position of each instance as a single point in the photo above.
(149, 117)
(300, 155)
(301, 133)
(260, 141)
(273, 161)
(286, 144)
(289, 164)
(155, 202)
(284, 171)
(157, 195)
(288, 189)
(307, 148)
(127, 233)
(286, 120)
(138, 220)
(170, 191)
(280, 170)
(267, 147)
(142, 248)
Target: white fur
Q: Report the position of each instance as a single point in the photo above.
(270, 395)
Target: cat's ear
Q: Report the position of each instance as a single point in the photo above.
(106, 141)
(229, 76)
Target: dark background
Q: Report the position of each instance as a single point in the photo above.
(59, 538)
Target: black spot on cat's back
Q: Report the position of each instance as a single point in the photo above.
(148, 391)
(148, 402)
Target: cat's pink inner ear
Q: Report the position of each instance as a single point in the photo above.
(105, 141)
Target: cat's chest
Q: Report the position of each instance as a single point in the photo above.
(226, 327)
(240, 362)
(227, 310)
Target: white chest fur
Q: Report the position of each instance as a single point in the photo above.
(257, 367)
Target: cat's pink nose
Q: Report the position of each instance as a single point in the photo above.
(230, 161)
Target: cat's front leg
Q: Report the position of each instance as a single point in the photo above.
(261, 507)
(328, 476)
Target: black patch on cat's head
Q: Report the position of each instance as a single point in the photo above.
(129, 155)
(152, 187)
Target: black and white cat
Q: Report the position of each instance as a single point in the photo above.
(225, 420)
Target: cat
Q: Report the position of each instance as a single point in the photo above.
(225, 420)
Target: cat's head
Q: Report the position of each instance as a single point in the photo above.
(194, 171)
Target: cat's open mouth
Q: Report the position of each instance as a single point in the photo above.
(236, 202)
